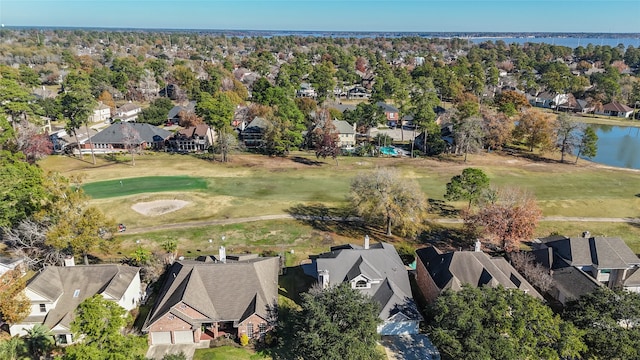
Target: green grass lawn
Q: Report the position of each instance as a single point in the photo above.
(227, 353)
(140, 185)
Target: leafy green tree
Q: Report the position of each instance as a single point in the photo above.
(511, 102)
(259, 91)
(77, 106)
(39, 341)
(12, 349)
(609, 320)
(281, 136)
(21, 188)
(14, 100)
(588, 144)
(334, 323)
(81, 231)
(321, 78)
(471, 185)
(157, 112)
(100, 323)
(423, 101)
(382, 196)
(501, 324)
(217, 112)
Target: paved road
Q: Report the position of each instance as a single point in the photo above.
(192, 224)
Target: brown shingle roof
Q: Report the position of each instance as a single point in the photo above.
(615, 106)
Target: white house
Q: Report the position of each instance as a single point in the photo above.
(57, 290)
(101, 113)
(128, 112)
(615, 109)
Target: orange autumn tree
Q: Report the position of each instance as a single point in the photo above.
(507, 217)
(14, 305)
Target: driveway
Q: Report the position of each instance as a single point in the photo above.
(158, 351)
(409, 347)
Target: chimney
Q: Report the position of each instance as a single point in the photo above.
(222, 254)
(478, 246)
(69, 261)
(323, 278)
(366, 242)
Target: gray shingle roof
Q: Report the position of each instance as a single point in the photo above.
(343, 127)
(600, 252)
(61, 282)
(381, 263)
(114, 133)
(228, 291)
(453, 269)
(573, 282)
(386, 107)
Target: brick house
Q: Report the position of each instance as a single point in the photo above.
(437, 272)
(211, 297)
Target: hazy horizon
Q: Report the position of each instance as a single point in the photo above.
(426, 16)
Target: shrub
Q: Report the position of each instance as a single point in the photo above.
(244, 340)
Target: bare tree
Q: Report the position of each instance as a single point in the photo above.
(131, 140)
(28, 240)
(534, 272)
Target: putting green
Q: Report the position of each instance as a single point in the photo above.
(140, 185)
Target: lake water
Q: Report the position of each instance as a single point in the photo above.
(618, 146)
(572, 42)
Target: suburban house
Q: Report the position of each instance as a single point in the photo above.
(357, 92)
(346, 133)
(8, 263)
(606, 259)
(569, 283)
(549, 100)
(102, 113)
(306, 90)
(56, 291)
(127, 112)
(576, 105)
(391, 112)
(615, 109)
(214, 296)
(118, 137)
(377, 271)
(437, 272)
(253, 133)
(191, 139)
(173, 117)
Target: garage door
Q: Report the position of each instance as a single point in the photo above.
(161, 337)
(183, 337)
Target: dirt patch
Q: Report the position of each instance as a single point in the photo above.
(158, 207)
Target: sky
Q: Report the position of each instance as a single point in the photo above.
(621, 16)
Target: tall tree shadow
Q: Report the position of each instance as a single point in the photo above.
(442, 208)
(340, 220)
(446, 238)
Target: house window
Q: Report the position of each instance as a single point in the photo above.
(76, 293)
(250, 330)
(361, 284)
(262, 328)
(62, 339)
(43, 308)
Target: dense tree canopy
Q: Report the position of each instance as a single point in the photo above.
(471, 185)
(498, 323)
(334, 323)
(609, 319)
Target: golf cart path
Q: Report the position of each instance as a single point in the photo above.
(191, 224)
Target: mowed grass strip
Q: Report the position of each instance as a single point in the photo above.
(141, 185)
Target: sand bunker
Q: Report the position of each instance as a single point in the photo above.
(158, 207)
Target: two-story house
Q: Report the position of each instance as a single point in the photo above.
(56, 292)
(127, 112)
(378, 271)
(191, 139)
(606, 259)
